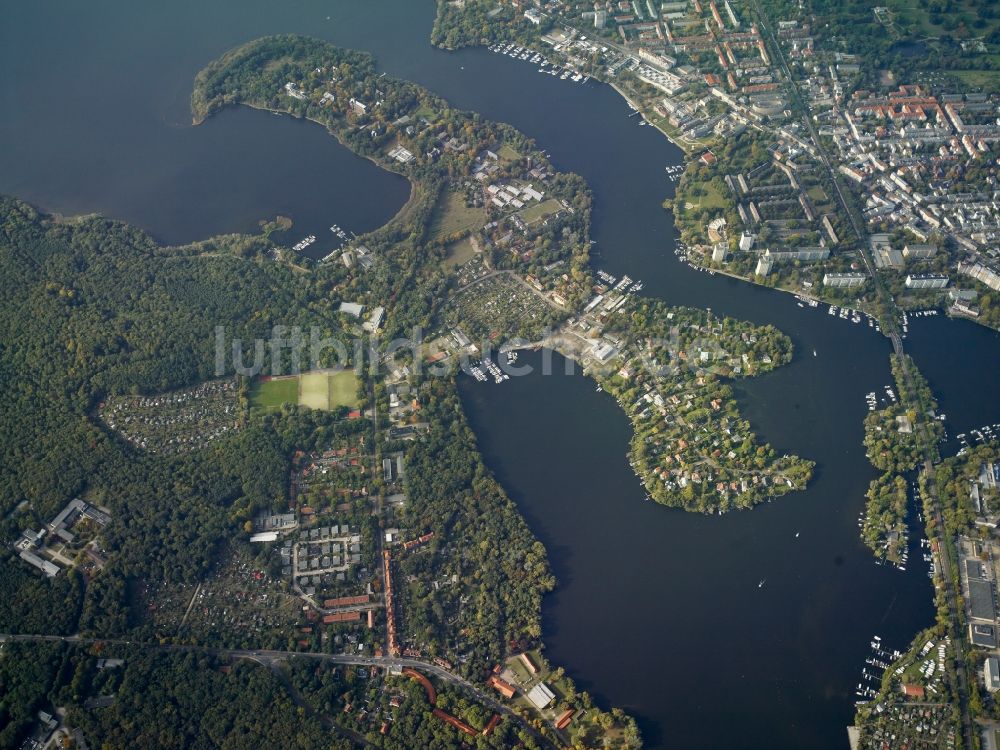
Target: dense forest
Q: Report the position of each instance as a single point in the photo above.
(194, 700)
(92, 307)
(480, 538)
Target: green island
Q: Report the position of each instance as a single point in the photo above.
(691, 447)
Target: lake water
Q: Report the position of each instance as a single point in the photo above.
(657, 611)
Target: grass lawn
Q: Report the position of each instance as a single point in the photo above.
(459, 252)
(710, 199)
(343, 389)
(508, 153)
(988, 80)
(452, 216)
(426, 112)
(546, 208)
(818, 194)
(328, 390)
(271, 394)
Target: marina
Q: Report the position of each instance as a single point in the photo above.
(876, 663)
(486, 368)
(304, 243)
(977, 436)
(674, 171)
(544, 66)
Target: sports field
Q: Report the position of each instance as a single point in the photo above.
(317, 390)
(325, 390)
(269, 395)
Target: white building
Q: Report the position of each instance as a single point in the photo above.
(541, 696)
(854, 278)
(991, 674)
(746, 241)
(982, 273)
(375, 320)
(603, 351)
(533, 15)
(352, 308)
(926, 281)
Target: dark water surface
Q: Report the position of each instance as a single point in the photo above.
(657, 611)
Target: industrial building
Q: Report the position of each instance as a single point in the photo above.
(541, 696)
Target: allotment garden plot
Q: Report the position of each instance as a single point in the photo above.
(239, 600)
(176, 421)
(495, 303)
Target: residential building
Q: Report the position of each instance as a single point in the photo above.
(926, 281)
(764, 265)
(533, 16)
(919, 252)
(844, 280)
(982, 273)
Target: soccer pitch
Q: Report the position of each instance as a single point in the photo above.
(328, 390)
(317, 390)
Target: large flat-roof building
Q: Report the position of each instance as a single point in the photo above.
(981, 606)
(45, 566)
(982, 635)
(541, 696)
(844, 280)
(991, 674)
(926, 281)
(981, 272)
(917, 252)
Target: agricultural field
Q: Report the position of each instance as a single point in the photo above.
(452, 217)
